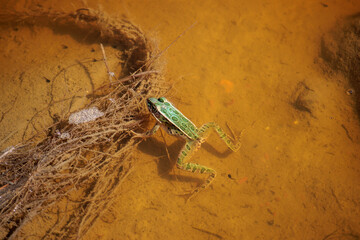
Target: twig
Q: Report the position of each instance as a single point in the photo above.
(208, 232)
(347, 132)
(111, 74)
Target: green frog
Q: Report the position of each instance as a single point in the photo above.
(175, 123)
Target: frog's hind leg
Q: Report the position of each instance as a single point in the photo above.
(186, 152)
(204, 132)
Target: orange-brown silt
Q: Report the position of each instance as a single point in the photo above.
(250, 65)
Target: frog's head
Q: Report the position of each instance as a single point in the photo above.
(156, 104)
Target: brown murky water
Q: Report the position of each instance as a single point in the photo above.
(245, 64)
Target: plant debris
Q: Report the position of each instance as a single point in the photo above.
(89, 152)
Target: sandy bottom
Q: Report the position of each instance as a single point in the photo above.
(245, 64)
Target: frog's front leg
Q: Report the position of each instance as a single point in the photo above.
(185, 154)
(148, 133)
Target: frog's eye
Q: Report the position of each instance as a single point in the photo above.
(162, 99)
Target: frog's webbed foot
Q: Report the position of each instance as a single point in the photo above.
(202, 187)
(190, 194)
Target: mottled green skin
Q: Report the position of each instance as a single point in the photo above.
(175, 123)
(170, 114)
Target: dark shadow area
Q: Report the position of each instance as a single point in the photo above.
(340, 49)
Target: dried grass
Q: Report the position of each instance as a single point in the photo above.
(94, 157)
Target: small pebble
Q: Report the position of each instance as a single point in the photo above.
(350, 91)
(270, 223)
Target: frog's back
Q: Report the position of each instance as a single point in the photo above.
(180, 121)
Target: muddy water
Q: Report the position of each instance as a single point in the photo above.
(250, 65)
